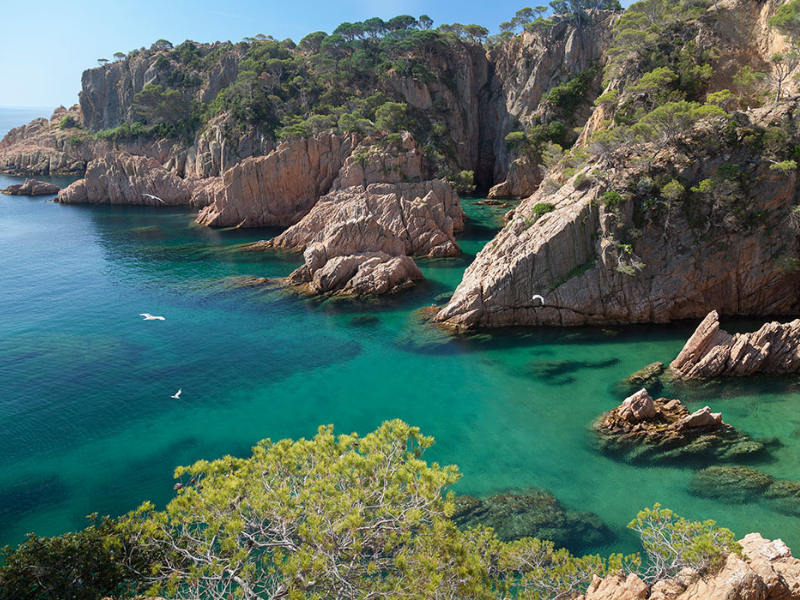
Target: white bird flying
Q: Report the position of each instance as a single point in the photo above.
(153, 197)
(177, 394)
(539, 297)
(149, 317)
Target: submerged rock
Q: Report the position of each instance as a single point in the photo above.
(532, 513)
(713, 352)
(733, 485)
(645, 430)
(646, 376)
(32, 187)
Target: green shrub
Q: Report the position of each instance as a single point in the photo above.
(672, 543)
(785, 166)
(613, 201)
(542, 208)
(463, 182)
(68, 122)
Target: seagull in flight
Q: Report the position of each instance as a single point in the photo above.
(149, 317)
(539, 297)
(177, 394)
(153, 198)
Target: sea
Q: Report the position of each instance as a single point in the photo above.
(88, 424)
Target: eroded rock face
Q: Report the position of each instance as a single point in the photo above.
(357, 241)
(32, 187)
(373, 162)
(280, 188)
(712, 352)
(120, 178)
(523, 177)
(645, 430)
(574, 256)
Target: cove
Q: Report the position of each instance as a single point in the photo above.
(87, 424)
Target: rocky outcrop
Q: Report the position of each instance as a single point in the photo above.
(523, 177)
(358, 241)
(712, 352)
(382, 161)
(31, 187)
(120, 178)
(594, 262)
(765, 570)
(42, 148)
(645, 430)
(532, 513)
(280, 188)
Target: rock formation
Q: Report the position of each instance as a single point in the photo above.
(358, 241)
(645, 430)
(765, 570)
(31, 187)
(532, 513)
(598, 263)
(42, 148)
(120, 178)
(712, 352)
(280, 188)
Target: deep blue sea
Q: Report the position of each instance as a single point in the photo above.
(87, 423)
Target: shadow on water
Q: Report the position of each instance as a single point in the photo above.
(30, 495)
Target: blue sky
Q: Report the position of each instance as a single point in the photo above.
(46, 45)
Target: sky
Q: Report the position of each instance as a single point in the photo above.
(41, 63)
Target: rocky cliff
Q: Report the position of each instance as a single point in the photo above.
(523, 71)
(280, 188)
(597, 262)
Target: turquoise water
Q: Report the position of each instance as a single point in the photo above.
(87, 423)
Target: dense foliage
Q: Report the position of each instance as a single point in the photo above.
(334, 516)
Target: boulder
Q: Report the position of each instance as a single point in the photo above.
(616, 587)
(32, 187)
(121, 178)
(638, 407)
(700, 418)
(713, 352)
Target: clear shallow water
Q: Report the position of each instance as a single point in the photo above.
(87, 424)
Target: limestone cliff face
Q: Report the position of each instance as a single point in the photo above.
(280, 188)
(735, 252)
(455, 96)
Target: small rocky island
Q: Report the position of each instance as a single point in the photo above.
(32, 187)
(642, 429)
